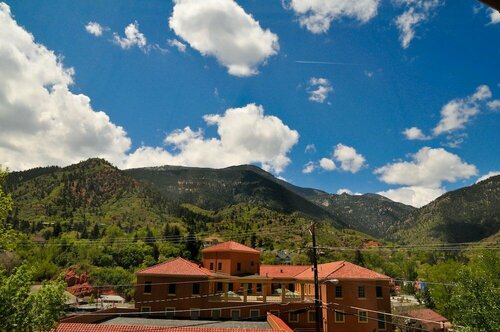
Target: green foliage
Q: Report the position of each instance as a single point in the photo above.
(370, 213)
(5, 199)
(117, 276)
(23, 309)
(442, 278)
(465, 215)
(475, 301)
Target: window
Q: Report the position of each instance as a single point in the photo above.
(220, 287)
(145, 309)
(249, 289)
(291, 287)
(196, 289)
(361, 292)
(293, 317)
(255, 314)
(219, 266)
(362, 316)
(381, 321)
(238, 266)
(235, 314)
(171, 289)
(378, 290)
(211, 266)
(147, 287)
(169, 312)
(338, 292)
(339, 316)
(230, 287)
(216, 314)
(195, 313)
(258, 288)
(311, 316)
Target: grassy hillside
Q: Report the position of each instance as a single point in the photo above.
(214, 189)
(464, 215)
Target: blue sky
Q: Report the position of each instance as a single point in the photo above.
(319, 95)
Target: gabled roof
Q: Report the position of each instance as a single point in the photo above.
(282, 271)
(177, 267)
(230, 246)
(341, 270)
(80, 327)
(426, 314)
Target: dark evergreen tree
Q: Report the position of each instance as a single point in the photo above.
(95, 232)
(253, 240)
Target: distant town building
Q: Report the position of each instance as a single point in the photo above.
(427, 320)
(230, 283)
(282, 257)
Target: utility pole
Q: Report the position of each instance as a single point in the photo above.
(317, 301)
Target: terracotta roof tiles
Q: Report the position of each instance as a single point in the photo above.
(230, 246)
(79, 327)
(282, 271)
(341, 270)
(427, 314)
(177, 267)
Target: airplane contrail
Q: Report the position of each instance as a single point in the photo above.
(328, 63)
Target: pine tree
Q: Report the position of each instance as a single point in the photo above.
(95, 232)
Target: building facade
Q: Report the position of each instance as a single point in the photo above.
(230, 283)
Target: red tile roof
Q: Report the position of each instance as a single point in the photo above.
(177, 267)
(79, 327)
(277, 323)
(230, 246)
(282, 271)
(341, 270)
(427, 314)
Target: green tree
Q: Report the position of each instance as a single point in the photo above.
(5, 199)
(475, 301)
(113, 277)
(23, 309)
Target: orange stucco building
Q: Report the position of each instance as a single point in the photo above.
(230, 283)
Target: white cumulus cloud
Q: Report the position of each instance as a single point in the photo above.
(344, 191)
(309, 168)
(487, 176)
(180, 46)
(317, 15)
(349, 159)
(428, 168)
(455, 115)
(494, 16)
(43, 123)
(94, 28)
(327, 164)
(458, 112)
(246, 135)
(310, 148)
(318, 89)
(416, 12)
(415, 133)
(221, 28)
(413, 195)
(133, 37)
(494, 105)
(423, 176)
